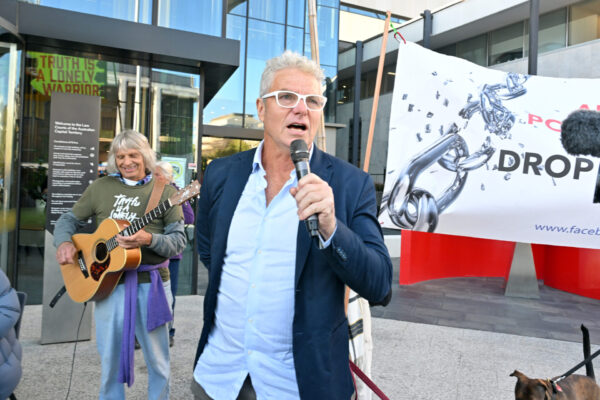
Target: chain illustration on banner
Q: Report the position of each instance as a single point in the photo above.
(411, 207)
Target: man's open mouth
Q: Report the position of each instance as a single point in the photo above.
(297, 126)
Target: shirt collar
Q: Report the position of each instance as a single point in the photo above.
(257, 161)
(143, 181)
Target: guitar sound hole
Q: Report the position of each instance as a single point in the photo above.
(101, 252)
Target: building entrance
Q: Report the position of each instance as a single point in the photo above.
(163, 104)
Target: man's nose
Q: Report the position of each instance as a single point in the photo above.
(301, 106)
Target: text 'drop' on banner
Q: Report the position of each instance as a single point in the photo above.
(477, 152)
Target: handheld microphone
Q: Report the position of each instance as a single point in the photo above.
(299, 153)
(580, 133)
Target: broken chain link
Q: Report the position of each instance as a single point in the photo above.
(415, 208)
(410, 207)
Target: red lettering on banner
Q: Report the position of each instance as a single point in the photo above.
(586, 107)
(96, 89)
(534, 118)
(553, 121)
(40, 75)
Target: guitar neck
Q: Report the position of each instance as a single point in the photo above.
(139, 223)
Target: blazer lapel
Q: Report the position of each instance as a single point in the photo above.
(322, 167)
(235, 181)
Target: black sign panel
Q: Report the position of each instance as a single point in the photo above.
(73, 155)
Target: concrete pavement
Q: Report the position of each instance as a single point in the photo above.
(410, 361)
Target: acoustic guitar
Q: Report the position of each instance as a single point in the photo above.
(100, 259)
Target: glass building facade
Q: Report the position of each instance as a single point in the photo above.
(161, 99)
(567, 26)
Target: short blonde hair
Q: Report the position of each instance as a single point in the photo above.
(289, 59)
(131, 140)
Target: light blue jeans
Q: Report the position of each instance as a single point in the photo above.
(109, 314)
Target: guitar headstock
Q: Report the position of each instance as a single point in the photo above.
(191, 190)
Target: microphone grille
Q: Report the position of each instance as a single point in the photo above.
(298, 150)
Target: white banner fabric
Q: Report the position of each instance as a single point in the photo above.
(477, 152)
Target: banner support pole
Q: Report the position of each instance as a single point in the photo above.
(314, 52)
(377, 89)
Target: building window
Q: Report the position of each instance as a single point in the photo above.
(295, 13)
(294, 39)
(227, 107)
(345, 89)
(506, 44)
(584, 22)
(192, 15)
(267, 10)
(473, 49)
(122, 9)
(259, 33)
(237, 7)
(552, 32)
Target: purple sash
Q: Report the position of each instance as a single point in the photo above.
(159, 313)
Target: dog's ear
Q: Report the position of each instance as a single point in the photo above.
(519, 375)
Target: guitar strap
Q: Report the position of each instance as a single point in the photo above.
(157, 191)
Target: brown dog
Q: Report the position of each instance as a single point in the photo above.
(573, 387)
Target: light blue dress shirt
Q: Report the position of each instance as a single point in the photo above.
(255, 303)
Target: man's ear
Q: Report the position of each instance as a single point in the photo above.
(260, 108)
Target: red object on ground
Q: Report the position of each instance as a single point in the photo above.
(426, 256)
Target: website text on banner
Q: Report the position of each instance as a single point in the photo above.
(477, 152)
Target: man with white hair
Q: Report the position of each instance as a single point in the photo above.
(124, 194)
(274, 321)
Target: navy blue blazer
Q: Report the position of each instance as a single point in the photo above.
(357, 256)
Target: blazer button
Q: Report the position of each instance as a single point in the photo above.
(341, 253)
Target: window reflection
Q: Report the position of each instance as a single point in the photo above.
(473, 49)
(227, 107)
(329, 92)
(269, 10)
(294, 39)
(327, 26)
(192, 15)
(552, 32)
(295, 13)
(259, 33)
(506, 44)
(345, 87)
(122, 9)
(213, 148)
(238, 7)
(584, 22)
(331, 3)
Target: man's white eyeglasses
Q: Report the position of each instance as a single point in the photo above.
(288, 99)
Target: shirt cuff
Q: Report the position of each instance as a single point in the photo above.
(324, 244)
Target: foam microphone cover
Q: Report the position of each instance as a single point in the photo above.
(580, 133)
